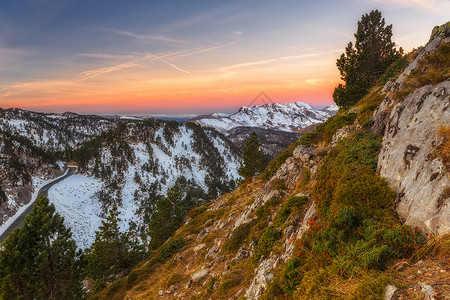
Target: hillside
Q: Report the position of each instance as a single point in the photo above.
(347, 211)
(136, 164)
(128, 163)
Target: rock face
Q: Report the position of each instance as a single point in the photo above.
(407, 162)
(406, 158)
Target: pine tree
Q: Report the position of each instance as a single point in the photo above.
(363, 64)
(113, 252)
(253, 158)
(40, 260)
(166, 218)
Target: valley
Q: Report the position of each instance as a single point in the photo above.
(130, 163)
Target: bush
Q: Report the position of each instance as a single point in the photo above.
(279, 184)
(265, 243)
(367, 106)
(369, 195)
(132, 279)
(286, 209)
(230, 281)
(197, 211)
(169, 249)
(394, 70)
(238, 237)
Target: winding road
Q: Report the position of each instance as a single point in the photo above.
(44, 190)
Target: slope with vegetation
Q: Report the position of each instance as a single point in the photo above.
(319, 222)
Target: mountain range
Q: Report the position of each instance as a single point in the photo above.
(288, 117)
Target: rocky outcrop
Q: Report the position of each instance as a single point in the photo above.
(289, 172)
(407, 161)
(407, 158)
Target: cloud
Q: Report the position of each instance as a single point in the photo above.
(161, 38)
(132, 60)
(106, 56)
(238, 32)
(169, 64)
(436, 6)
(273, 60)
(96, 72)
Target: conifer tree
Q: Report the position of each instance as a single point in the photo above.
(112, 253)
(166, 218)
(40, 260)
(363, 64)
(253, 158)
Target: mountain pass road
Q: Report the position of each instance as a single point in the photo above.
(44, 190)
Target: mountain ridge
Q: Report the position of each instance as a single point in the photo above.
(287, 117)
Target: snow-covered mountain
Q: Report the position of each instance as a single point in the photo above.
(289, 117)
(54, 131)
(125, 162)
(142, 162)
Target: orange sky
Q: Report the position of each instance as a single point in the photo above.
(185, 58)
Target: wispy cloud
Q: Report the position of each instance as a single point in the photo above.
(436, 6)
(134, 60)
(274, 60)
(161, 38)
(97, 72)
(106, 55)
(159, 58)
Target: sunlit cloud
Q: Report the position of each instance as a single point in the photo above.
(435, 6)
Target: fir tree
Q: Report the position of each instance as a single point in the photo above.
(166, 218)
(363, 64)
(113, 252)
(253, 158)
(40, 260)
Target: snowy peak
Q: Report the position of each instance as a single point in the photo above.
(289, 117)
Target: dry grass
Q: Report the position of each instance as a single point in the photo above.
(438, 247)
(443, 149)
(433, 68)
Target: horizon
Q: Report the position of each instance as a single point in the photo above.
(229, 111)
(147, 58)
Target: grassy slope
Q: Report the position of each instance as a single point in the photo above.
(373, 248)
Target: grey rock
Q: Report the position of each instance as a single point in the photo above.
(342, 133)
(242, 253)
(389, 292)
(427, 290)
(212, 252)
(303, 153)
(404, 160)
(263, 276)
(199, 247)
(199, 275)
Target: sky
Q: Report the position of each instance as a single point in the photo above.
(180, 58)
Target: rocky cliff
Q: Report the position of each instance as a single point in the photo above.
(407, 158)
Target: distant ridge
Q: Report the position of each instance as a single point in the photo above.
(289, 117)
